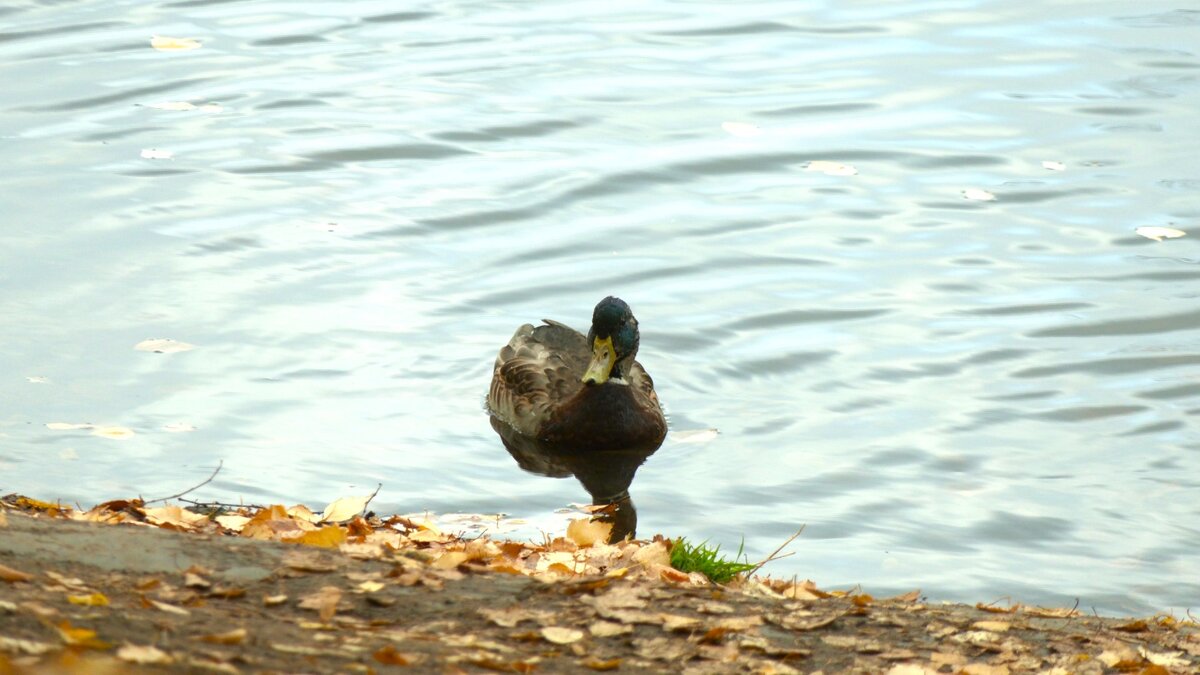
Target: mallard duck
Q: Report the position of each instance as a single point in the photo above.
(570, 392)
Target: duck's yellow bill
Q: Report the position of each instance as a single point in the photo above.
(603, 358)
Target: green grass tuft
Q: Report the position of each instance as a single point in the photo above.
(688, 557)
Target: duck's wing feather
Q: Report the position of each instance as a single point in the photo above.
(643, 386)
(535, 372)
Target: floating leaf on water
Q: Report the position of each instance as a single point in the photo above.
(741, 129)
(155, 153)
(695, 435)
(37, 379)
(115, 433)
(68, 426)
(978, 195)
(1054, 166)
(1159, 233)
(163, 346)
(171, 44)
(831, 168)
(344, 509)
(178, 427)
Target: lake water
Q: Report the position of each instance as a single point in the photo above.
(982, 398)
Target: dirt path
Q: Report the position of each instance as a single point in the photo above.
(201, 603)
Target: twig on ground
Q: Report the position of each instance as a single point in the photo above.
(775, 554)
(223, 505)
(206, 481)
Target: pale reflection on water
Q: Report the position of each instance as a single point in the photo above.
(978, 398)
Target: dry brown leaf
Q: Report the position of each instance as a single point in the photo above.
(308, 561)
(985, 669)
(324, 601)
(1133, 626)
(1051, 612)
(600, 665)
(232, 523)
(145, 655)
(998, 610)
(193, 580)
(657, 552)
(273, 600)
(911, 596)
(29, 647)
(174, 516)
(233, 637)
(450, 560)
(164, 607)
(1168, 659)
(586, 532)
(3, 519)
(994, 626)
(389, 656)
(738, 623)
(911, 669)
(13, 576)
(677, 622)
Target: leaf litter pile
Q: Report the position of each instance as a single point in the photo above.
(275, 589)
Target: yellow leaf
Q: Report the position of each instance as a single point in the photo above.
(330, 536)
(233, 637)
(585, 532)
(370, 586)
(450, 560)
(169, 44)
(597, 664)
(173, 516)
(80, 637)
(232, 523)
(92, 600)
(273, 600)
(144, 655)
(115, 433)
(344, 509)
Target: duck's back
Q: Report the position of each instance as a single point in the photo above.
(535, 372)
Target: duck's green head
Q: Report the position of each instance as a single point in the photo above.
(614, 342)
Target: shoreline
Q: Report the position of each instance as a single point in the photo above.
(79, 595)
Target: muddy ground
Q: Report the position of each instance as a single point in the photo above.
(200, 603)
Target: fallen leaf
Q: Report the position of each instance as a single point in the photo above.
(80, 637)
(344, 509)
(3, 519)
(29, 647)
(145, 655)
(561, 636)
(985, 669)
(597, 664)
(68, 426)
(657, 552)
(604, 629)
(978, 195)
(910, 669)
(115, 433)
(503, 666)
(330, 536)
(586, 532)
(1166, 659)
(388, 656)
(994, 626)
(998, 610)
(171, 44)
(232, 523)
(193, 580)
(273, 600)
(324, 601)
(173, 516)
(234, 637)
(90, 600)
(1133, 626)
(168, 608)
(13, 576)
(741, 129)
(162, 345)
(1159, 233)
(831, 168)
(155, 153)
(911, 596)
(1054, 166)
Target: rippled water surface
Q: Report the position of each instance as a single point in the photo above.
(978, 398)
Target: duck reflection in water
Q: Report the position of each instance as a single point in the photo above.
(568, 404)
